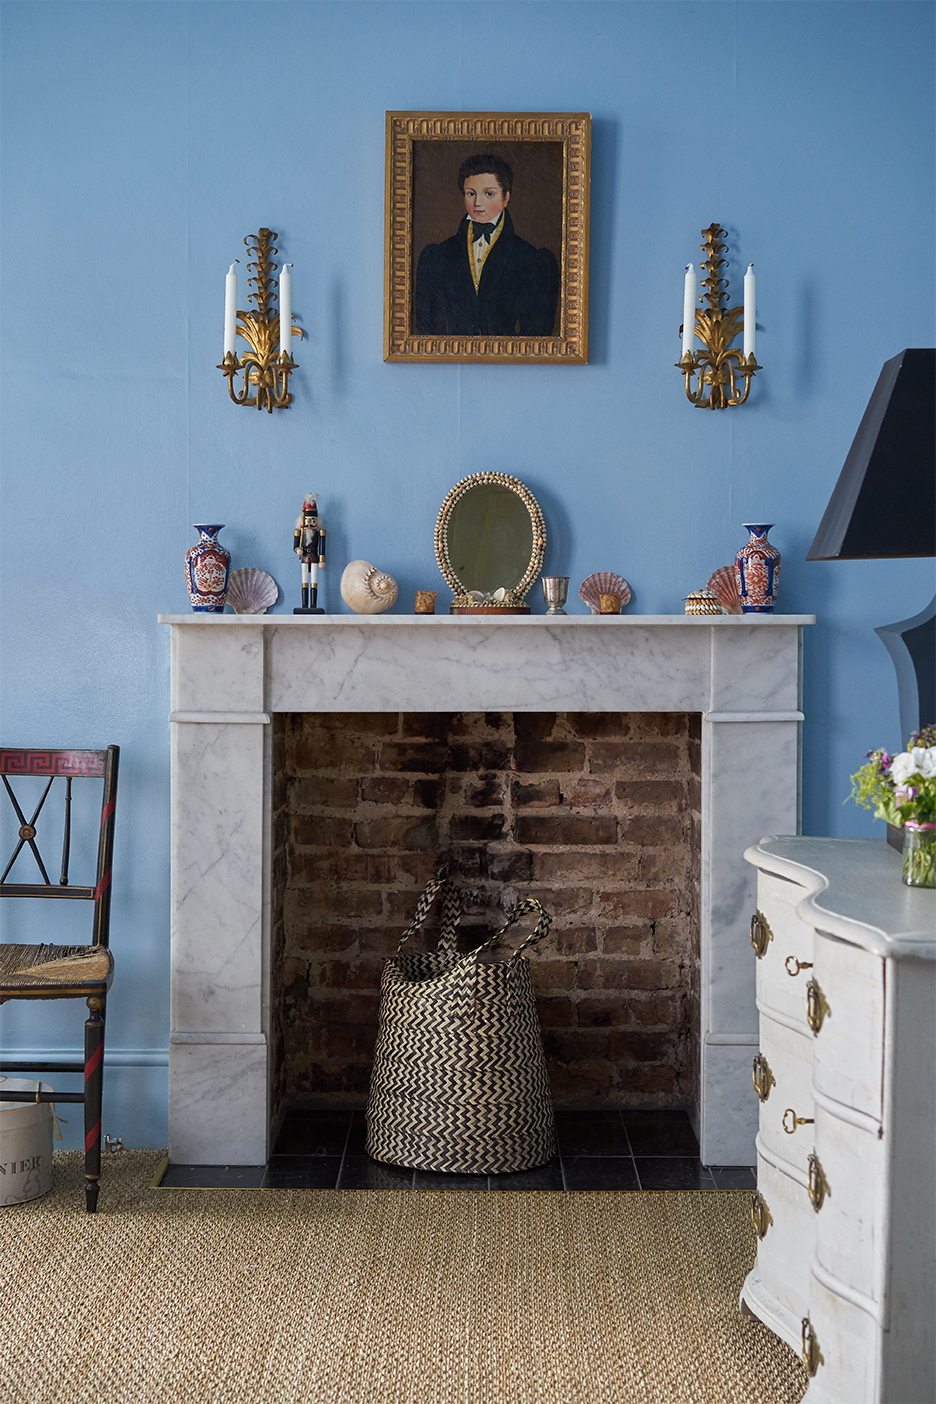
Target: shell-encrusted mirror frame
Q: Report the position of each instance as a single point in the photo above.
(514, 597)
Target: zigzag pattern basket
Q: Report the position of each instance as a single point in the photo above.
(459, 1082)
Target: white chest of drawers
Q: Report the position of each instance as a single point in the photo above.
(846, 1149)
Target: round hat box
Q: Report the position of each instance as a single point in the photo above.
(25, 1144)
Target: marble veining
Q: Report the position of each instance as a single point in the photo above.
(229, 676)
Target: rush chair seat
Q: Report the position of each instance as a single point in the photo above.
(64, 972)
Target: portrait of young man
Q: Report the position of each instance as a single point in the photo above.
(485, 279)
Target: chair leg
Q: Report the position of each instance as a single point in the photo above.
(94, 1079)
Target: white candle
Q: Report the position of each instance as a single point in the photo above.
(285, 302)
(230, 309)
(689, 309)
(750, 310)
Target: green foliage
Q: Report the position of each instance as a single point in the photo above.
(873, 788)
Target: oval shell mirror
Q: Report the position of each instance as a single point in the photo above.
(490, 539)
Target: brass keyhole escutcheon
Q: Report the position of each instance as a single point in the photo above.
(812, 1355)
(795, 1121)
(818, 1185)
(760, 934)
(817, 1008)
(794, 966)
(763, 1077)
(761, 1216)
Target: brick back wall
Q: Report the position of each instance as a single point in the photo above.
(596, 814)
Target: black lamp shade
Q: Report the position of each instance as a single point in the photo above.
(884, 503)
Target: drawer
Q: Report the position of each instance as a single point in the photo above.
(784, 1253)
(850, 1225)
(790, 946)
(848, 1340)
(848, 1054)
(789, 1057)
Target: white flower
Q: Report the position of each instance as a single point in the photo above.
(921, 760)
(901, 768)
(924, 761)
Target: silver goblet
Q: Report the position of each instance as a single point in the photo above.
(555, 590)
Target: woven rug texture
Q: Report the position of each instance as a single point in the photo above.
(379, 1297)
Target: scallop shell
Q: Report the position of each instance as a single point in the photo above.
(724, 586)
(251, 591)
(702, 602)
(603, 583)
(367, 590)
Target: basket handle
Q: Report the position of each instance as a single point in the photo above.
(541, 929)
(451, 911)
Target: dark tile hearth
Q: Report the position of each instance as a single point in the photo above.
(598, 1150)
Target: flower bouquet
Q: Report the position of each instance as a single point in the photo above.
(902, 790)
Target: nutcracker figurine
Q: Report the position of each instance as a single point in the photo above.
(309, 546)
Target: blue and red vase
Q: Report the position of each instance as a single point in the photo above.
(757, 570)
(207, 571)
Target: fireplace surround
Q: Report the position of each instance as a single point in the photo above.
(230, 674)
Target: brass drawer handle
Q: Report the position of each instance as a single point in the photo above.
(798, 965)
(795, 1121)
(818, 1187)
(763, 1077)
(817, 1008)
(812, 1355)
(760, 934)
(761, 1216)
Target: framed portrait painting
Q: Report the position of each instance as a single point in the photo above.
(487, 236)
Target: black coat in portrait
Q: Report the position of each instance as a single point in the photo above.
(518, 291)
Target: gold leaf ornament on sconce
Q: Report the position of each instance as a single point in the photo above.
(268, 364)
(719, 366)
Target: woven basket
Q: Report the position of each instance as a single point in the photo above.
(459, 1082)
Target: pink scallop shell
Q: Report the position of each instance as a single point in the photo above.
(724, 586)
(251, 591)
(603, 583)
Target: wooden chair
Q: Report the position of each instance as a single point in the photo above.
(65, 972)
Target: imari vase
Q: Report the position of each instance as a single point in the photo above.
(207, 570)
(757, 571)
(919, 854)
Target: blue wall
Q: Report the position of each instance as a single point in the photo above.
(142, 141)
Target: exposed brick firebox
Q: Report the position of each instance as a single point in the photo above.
(596, 814)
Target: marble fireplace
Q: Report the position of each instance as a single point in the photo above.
(230, 674)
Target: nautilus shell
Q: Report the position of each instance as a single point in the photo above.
(702, 602)
(603, 583)
(251, 591)
(724, 587)
(367, 590)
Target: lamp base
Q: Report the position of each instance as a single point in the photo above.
(305, 609)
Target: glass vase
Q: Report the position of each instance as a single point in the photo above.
(919, 854)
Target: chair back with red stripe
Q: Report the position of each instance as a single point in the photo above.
(70, 765)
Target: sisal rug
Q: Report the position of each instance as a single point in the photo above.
(379, 1297)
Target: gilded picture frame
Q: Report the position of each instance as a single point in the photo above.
(537, 240)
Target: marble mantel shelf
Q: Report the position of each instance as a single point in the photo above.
(734, 664)
(508, 621)
(231, 674)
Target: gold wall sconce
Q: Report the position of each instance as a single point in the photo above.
(719, 366)
(268, 364)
